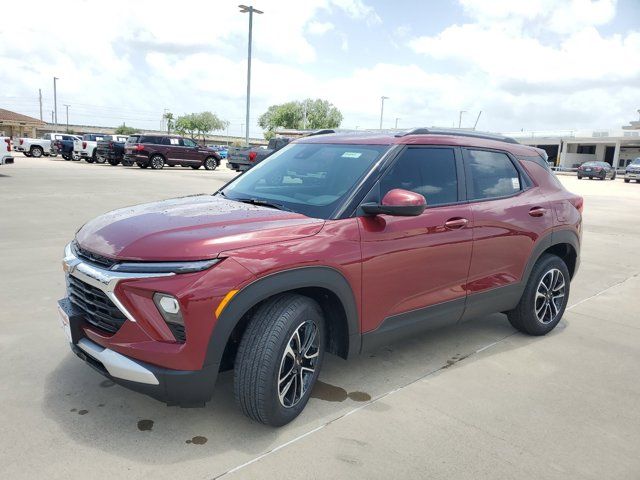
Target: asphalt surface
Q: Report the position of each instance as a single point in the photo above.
(473, 401)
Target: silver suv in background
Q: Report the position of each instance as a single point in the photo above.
(632, 172)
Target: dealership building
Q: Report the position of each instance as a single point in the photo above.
(569, 149)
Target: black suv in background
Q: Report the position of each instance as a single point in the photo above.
(156, 151)
(599, 170)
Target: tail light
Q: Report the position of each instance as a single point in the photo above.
(8, 140)
(84, 145)
(252, 156)
(110, 145)
(138, 148)
(578, 203)
(21, 141)
(597, 169)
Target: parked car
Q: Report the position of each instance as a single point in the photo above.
(334, 244)
(599, 170)
(111, 149)
(632, 172)
(64, 146)
(220, 149)
(37, 147)
(156, 151)
(86, 148)
(243, 158)
(5, 151)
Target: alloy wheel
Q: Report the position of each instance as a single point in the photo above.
(550, 296)
(298, 364)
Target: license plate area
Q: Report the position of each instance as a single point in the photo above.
(70, 320)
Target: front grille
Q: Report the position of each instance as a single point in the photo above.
(98, 309)
(178, 331)
(94, 258)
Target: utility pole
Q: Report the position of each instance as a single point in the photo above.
(382, 99)
(52, 117)
(397, 122)
(55, 103)
(67, 106)
(460, 118)
(242, 130)
(250, 10)
(227, 134)
(40, 96)
(478, 118)
(304, 115)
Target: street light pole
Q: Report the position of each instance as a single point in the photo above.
(250, 10)
(55, 103)
(397, 122)
(67, 106)
(382, 99)
(460, 118)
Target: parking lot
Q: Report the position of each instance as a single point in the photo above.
(474, 401)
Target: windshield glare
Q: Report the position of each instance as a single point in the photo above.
(308, 178)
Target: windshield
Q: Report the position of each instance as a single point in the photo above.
(309, 178)
(636, 161)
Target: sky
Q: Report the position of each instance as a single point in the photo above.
(527, 65)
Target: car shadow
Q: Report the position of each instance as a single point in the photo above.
(94, 411)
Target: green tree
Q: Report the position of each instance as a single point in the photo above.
(168, 116)
(199, 123)
(124, 130)
(300, 115)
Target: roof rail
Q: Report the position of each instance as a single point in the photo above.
(324, 131)
(459, 133)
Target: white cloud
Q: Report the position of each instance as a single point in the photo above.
(319, 28)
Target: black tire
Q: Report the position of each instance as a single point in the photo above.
(262, 357)
(210, 163)
(156, 162)
(113, 163)
(66, 157)
(26, 154)
(36, 152)
(579, 177)
(627, 180)
(590, 178)
(613, 177)
(524, 317)
(89, 159)
(142, 165)
(195, 167)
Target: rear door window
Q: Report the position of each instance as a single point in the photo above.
(491, 175)
(430, 172)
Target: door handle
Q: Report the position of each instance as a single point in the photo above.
(456, 223)
(537, 211)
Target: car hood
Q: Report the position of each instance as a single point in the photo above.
(190, 228)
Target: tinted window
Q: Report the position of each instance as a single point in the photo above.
(188, 142)
(430, 172)
(491, 174)
(309, 178)
(133, 139)
(150, 139)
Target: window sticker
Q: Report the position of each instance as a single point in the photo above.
(174, 141)
(515, 182)
(351, 155)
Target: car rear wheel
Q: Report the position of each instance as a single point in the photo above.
(142, 165)
(544, 299)
(113, 162)
(579, 177)
(626, 180)
(279, 359)
(66, 157)
(36, 152)
(211, 163)
(157, 162)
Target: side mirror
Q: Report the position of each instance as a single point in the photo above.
(399, 203)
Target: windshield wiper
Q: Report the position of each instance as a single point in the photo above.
(263, 203)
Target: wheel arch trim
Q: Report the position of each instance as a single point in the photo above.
(280, 282)
(557, 237)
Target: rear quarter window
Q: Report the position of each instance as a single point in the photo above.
(491, 175)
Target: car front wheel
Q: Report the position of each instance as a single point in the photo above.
(210, 163)
(37, 152)
(279, 359)
(544, 299)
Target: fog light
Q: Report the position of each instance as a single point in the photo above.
(169, 308)
(169, 305)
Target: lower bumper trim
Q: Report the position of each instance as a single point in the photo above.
(118, 365)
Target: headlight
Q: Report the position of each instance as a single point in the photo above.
(164, 267)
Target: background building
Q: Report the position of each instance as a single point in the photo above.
(14, 124)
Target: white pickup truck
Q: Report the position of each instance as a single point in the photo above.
(5, 151)
(86, 148)
(37, 147)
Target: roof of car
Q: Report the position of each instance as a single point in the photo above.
(423, 137)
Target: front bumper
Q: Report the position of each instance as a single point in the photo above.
(632, 175)
(173, 386)
(6, 160)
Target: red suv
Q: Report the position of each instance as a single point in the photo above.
(338, 244)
